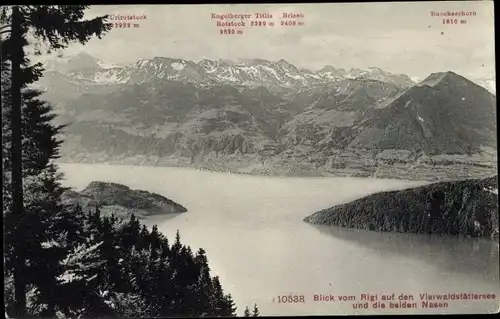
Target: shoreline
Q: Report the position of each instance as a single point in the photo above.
(283, 170)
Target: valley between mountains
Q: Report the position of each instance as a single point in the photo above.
(273, 118)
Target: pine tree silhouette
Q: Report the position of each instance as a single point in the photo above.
(44, 213)
(246, 313)
(57, 26)
(255, 311)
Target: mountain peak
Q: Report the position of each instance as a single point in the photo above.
(83, 58)
(438, 77)
(207, 61)
(227, 61)
(257, 62)
(210, 65)
(446, 114)
(283, 62)
(79, 61)
(84, 54)
(328, 68)
(165, 59)
(287, 66)
(155, 61)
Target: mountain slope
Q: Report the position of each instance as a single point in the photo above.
(371, 73)
(80, 61)
(332, 110)
(163, 117)
(445, 113)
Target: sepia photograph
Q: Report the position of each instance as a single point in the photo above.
(247, 160)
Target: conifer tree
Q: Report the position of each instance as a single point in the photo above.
(42, 189)
(80, 282)
(176, 247)
(143, 235)
(217, 305)
(229, 307)
(110, 253)
(57, 26)
(155, 241)
(204, 284)
(246, 313)
(131, 233)
(255, 311)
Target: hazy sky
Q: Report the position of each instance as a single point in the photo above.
(398, 37)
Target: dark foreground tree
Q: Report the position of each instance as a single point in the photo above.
(57, 26)
(63, 261)
(138, 284)
(40, 185)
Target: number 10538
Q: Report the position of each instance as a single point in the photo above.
(291, 299)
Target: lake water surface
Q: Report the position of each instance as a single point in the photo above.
(257, 243)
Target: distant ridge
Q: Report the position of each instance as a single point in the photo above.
(270, 117)
(245, 72)
(445, 113)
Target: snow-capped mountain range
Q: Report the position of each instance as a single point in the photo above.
(180, 110)
(84, 68)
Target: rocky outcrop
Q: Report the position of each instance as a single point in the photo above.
(121, 200)
(468, 208)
